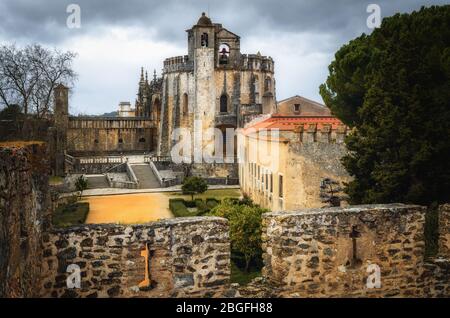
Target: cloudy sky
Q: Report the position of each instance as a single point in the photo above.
(117, 37)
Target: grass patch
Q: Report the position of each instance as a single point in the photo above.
(179, 209)
(70, 214)
(55, 180)
(241, 276)
(216, 194)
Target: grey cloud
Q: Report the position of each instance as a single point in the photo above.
(44, 20)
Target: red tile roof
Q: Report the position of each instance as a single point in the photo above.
(290, 123)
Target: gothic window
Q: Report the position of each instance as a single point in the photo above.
(185, 104)
(223, 103)
(204, 40)
(224, 54)
(256, 88)
(267, 84)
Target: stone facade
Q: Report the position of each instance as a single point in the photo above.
(444, 230)
(301, 106)
(214, 84)
(333, 252)
(102, 136)
(24, 215)
(79, 136)
(186, 257)
(284, 159)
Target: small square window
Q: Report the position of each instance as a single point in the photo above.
(297, 108)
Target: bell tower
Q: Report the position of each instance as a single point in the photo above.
(201, 40)
(61, 100)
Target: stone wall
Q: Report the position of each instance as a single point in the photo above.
(102, 135)
(444, 230)
(333, 252)
(24, 215)
(186, 257)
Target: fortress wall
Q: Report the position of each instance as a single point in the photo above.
(310, 161)
(186, 257)
(102, 136)
(336, 251)
(24, 215)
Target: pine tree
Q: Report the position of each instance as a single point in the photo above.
(393, 87)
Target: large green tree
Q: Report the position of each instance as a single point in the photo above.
(393, 88)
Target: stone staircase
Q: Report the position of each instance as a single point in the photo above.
(145, 175)
(97, 182)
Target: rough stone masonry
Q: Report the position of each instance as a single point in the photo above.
(187, 257)
(334, 251)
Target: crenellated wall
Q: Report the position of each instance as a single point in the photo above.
(187, 257)
(336, 251)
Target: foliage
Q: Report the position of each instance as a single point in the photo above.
(194, 185)
(242, 277)
(245, 228)
(70, 214)
(81, 184)
(178, 208)
(393, 87)
(28, 76)
(11, 112)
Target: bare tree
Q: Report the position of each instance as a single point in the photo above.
(29, 75)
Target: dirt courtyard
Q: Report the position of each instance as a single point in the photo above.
(141, 208)
(128, 208)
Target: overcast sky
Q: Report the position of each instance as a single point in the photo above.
(117, 37)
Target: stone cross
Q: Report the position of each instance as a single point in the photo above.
(146, 282)
(354, 234)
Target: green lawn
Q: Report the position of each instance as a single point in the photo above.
(218, 194)
(242, 277)
(71, 214)
(55, 180)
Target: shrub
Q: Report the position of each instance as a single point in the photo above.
(70, 214)
(178, 208)
(245, 228)
(194, 185)
(212, 203)
(201, 206)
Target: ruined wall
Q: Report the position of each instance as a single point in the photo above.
(444, 230)
(109, 135)
(24, 215)
(187, 257)
(329, 252)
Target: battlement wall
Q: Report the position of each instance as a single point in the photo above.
(178, 64)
